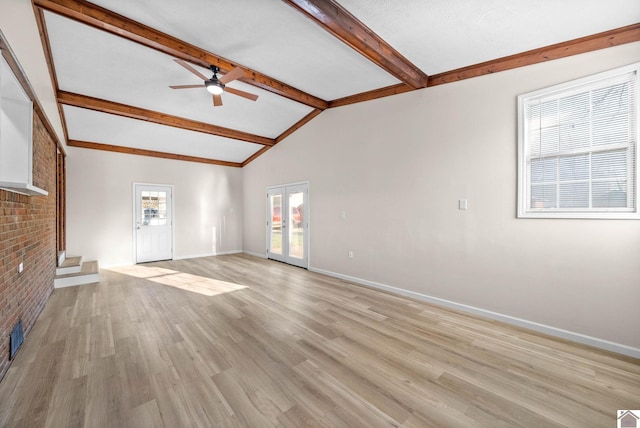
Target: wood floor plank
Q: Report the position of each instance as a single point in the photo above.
(297, 417)
(172, 395)
(264, 379)
(33, 399)
(133, 373)
(67, 405)
(239, 341)
(146, 415)
(245, 410)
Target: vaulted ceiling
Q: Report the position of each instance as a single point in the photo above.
(112, 61)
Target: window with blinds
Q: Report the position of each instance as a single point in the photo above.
(578, 148)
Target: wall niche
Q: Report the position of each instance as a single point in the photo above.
(16, 135)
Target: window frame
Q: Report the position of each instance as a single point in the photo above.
(524, 185)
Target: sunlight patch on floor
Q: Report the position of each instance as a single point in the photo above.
(140, 271)
(184, 281)
(198, 284)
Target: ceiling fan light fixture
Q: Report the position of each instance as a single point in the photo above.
(214, 86)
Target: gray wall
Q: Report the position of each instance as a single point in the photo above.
(397, 167)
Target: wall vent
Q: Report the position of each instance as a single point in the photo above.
(16, 339)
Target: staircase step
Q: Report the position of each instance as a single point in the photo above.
(88, 274)
(71, 264)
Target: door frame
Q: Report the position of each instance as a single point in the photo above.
(134, 217)
(305, 261)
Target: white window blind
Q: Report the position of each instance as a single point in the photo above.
(577, 148)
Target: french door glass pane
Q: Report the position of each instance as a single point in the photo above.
(296, 233)
(275, 245)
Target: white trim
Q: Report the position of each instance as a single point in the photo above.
(134, 217)
(531, 325)
(251, 253)
(284, 189)
(297, 183)
(224, 253)
(602, 79)
(218, 253)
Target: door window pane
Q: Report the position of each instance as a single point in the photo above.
(154, 208)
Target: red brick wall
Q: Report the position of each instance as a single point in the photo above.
(28, 235)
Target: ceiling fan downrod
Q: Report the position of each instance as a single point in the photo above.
(214, 85)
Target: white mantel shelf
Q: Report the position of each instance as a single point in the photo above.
(23, 188)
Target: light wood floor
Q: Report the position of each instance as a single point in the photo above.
(240, 341)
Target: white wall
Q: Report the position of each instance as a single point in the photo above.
(398, 165)
(207, 205)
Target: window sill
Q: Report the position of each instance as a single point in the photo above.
(582, 215)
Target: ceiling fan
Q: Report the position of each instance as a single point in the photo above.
(216, 85)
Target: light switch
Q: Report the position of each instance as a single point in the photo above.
(463, 204)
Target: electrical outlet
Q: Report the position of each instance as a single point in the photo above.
(20, 267)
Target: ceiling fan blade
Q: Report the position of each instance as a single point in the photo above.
(191, 69)
(243, 94)
(232, 75)
(185, 86)
(217, 100)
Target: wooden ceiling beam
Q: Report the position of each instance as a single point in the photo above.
(255, 156)
(151, 153)
(371, 95)
(132, 112)
(338, 21)
(106, 20)
(299, 124)
(46, 45)
(606, 39)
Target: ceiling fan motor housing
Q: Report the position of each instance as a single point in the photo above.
(214, 86)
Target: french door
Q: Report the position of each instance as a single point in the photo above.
(288, 224)
(153, 222)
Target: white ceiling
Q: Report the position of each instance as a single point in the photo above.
(443, 35)
(266, 35)
(101, 65)
(92, 126)
(275, 39)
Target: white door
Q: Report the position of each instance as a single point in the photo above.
(153, 222)
(288, 224)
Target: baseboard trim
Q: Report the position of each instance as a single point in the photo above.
(218, 253)
(224, 253)
(531, 325)
(251, 253)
